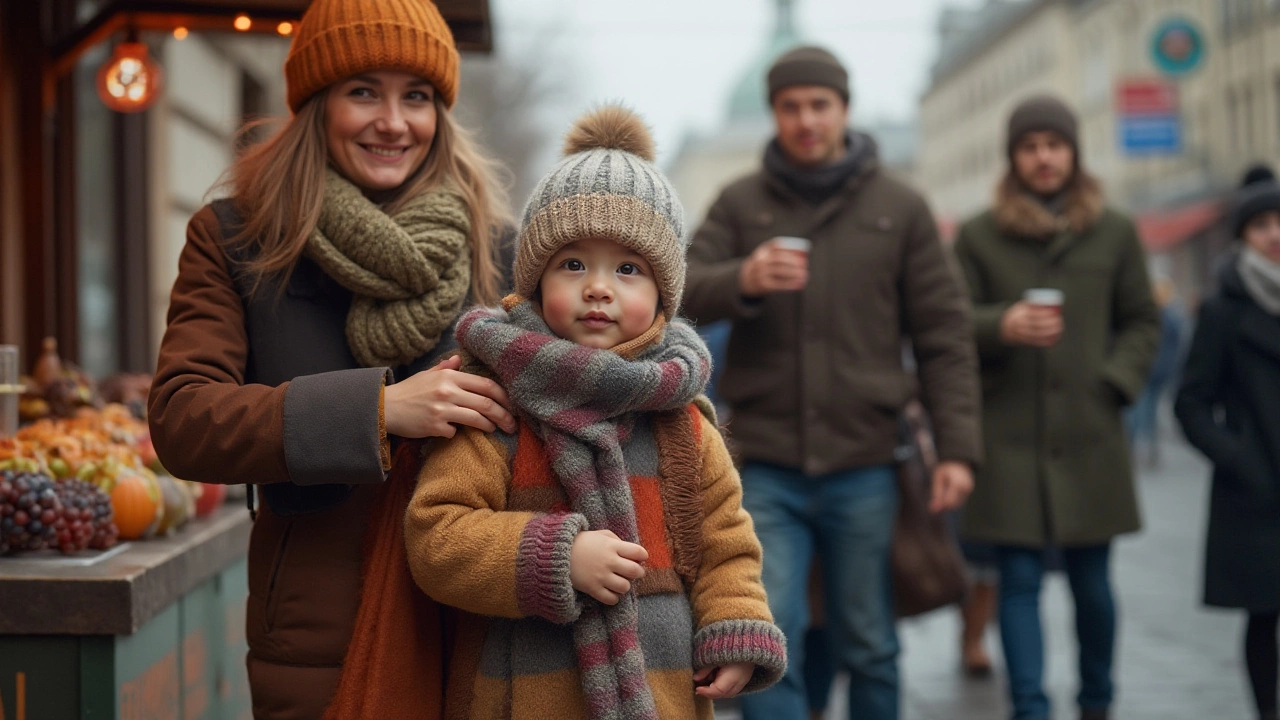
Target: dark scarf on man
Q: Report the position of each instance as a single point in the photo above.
(815, 185)
(579, 400)
(409, 273)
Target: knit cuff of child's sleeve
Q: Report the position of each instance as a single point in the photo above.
(738, 641)
(543, 587)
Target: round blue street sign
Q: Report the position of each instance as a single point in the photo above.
(1177, 47)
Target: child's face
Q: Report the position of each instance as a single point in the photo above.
(598, 293)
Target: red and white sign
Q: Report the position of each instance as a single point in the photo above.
(1146, 96)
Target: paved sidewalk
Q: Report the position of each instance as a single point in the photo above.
(1177, 660)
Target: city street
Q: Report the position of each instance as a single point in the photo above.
(1176, 658)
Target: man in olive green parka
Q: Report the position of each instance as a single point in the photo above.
(1054, 382)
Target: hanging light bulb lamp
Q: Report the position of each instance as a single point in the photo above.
(129, 81)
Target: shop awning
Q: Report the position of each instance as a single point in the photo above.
(1163, 229)
(468, 19)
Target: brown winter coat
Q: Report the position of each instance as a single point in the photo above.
(815, 379)
(1057, 461)
(266, 392)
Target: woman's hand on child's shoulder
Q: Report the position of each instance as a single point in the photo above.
(603, 566)
(434, 402)
(724, 681)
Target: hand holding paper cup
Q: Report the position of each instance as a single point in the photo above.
(1049, 298)
(1036, 321)
(779, 265)
(790, 242)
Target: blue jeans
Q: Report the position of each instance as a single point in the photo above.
(1021, 570)
(847, 518)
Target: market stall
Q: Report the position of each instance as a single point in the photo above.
(123, 588)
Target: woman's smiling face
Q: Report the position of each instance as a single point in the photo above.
(379, 127)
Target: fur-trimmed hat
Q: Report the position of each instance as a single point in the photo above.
(606, 186)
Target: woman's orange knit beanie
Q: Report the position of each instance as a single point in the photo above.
(340, 38)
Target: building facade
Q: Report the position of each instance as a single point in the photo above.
(1088, 52)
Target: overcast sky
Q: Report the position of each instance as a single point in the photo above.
(677, 61)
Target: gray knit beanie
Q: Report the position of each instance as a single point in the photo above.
(606, 186)
(1040, 113)
(808, 65)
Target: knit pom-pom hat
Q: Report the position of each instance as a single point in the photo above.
(340, 38)
(607, 187)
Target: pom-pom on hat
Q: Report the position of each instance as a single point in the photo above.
(608, 187)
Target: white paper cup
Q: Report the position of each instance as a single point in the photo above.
(788, 242)
(1045, 297)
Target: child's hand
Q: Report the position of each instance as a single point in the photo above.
(725, 681)
(603, 566)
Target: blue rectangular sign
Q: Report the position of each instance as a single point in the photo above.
(1150, 134)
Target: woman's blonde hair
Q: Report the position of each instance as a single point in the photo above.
(278, 188)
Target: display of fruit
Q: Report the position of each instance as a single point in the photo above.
(128, 389)
(210, 498)
(31, 403)
(90, 517)
(29, 510)
(137, 504)
(37, 513)
(55, 388)
(92, 446)
(79, 474)
(179, 504)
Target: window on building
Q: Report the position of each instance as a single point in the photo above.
(97, 221)
(1246, 110)
(1276, 90)
(1233, 126)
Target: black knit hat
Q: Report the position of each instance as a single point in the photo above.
(1254, 199)
(1040, 113)
(808, 65)
(1258, 172)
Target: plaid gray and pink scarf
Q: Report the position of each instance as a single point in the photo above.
(577, 399)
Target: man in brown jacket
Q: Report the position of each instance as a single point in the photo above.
(815, 377)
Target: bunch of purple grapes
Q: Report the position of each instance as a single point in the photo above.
(37, 513)
(88, 521)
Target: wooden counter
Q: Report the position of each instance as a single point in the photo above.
(150, 630)
(117, 591)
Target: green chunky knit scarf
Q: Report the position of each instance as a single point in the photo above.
(409, 273)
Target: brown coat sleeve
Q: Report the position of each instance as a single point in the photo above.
(937, 319)
(205, 423)
(712, 290)
(729, 586)
(466, 549)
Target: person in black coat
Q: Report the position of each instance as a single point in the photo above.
(1229, 407)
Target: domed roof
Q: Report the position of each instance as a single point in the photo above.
(749, 100)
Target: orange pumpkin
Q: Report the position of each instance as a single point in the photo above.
(135, 504)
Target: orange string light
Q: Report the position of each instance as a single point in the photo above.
(242, 22)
